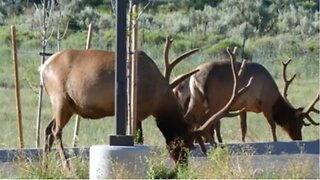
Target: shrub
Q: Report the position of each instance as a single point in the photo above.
(219, 49)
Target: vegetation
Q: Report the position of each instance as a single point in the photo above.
(221, 163)
(275, 31)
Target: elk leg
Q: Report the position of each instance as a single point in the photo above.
(217, 127)
(62, 115)
(243, 125)
(48, 142)
(272, 124)
(49, 136)
(59, 145)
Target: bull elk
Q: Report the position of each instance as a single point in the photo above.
(82, 82)
(211, 87)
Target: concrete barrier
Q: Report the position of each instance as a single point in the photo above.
(104, 159)
(259, 148)
(269, 148)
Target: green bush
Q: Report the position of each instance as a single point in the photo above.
(219, 49)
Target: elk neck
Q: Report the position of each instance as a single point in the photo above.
(170, 120)
(283, 112)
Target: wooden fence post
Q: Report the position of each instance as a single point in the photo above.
(17, 87)
(134, 66)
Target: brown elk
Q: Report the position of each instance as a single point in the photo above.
(210, 89)
(82, 82)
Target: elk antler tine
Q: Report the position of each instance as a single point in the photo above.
(286, 63)
(285, 79)
(166, 55)
(183, 56)
(234, 50)
(306, 111)
(305, 124)
(242, 90)
(311, 105)
(181, 78)
(312, 121)
(235, 113)
(242, 67)
(315, 110)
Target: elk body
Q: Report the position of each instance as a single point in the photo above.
(82, 82)
(211, 88)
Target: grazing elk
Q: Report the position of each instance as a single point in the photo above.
(82, 82)
(211, 87)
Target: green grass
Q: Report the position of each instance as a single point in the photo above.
(219, 164)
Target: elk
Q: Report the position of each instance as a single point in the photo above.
(211, 87)
(82, 82)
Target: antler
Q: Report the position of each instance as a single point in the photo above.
(182, 77)
(203, 131)
(169, 66)
(285, 79)
(308, 109)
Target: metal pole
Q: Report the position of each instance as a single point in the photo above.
(17, 90)
(77, 124)
(121, 56)
(120, 78)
